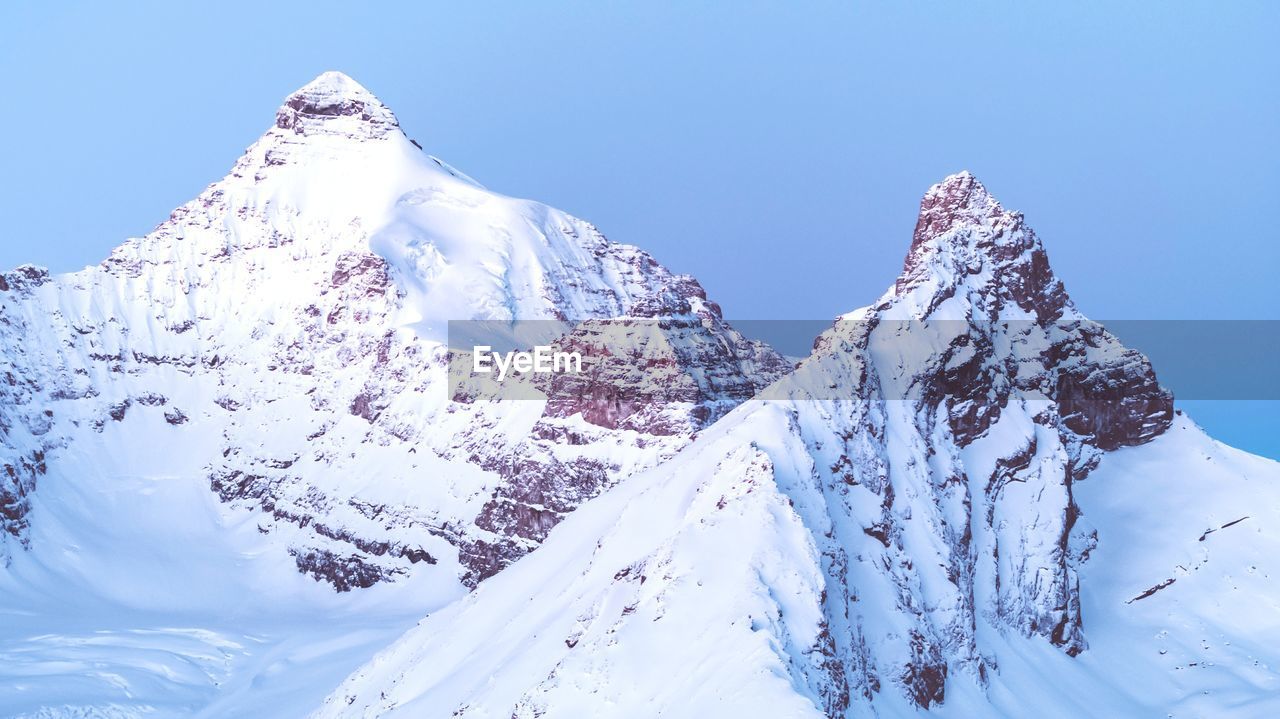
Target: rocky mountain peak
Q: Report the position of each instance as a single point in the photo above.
(959, 199)
(333, 103)
(967, 246)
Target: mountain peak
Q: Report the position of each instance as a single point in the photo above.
(334, 83)
(963, 236)
(334, 103)
(959, 199)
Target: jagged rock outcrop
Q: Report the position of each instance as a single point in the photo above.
(26, 379)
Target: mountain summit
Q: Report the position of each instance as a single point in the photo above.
(965, 238)
(959, 199)
(333, 103)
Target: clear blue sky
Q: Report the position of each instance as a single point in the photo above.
(776, 152)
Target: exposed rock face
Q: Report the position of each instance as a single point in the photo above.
(288, 325)
(335, 104)
(648, 382)
(26, 379)
(668, 374)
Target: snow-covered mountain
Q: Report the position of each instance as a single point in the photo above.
(968, 500)
(278, 346)
(235, 467)
(308, 293)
